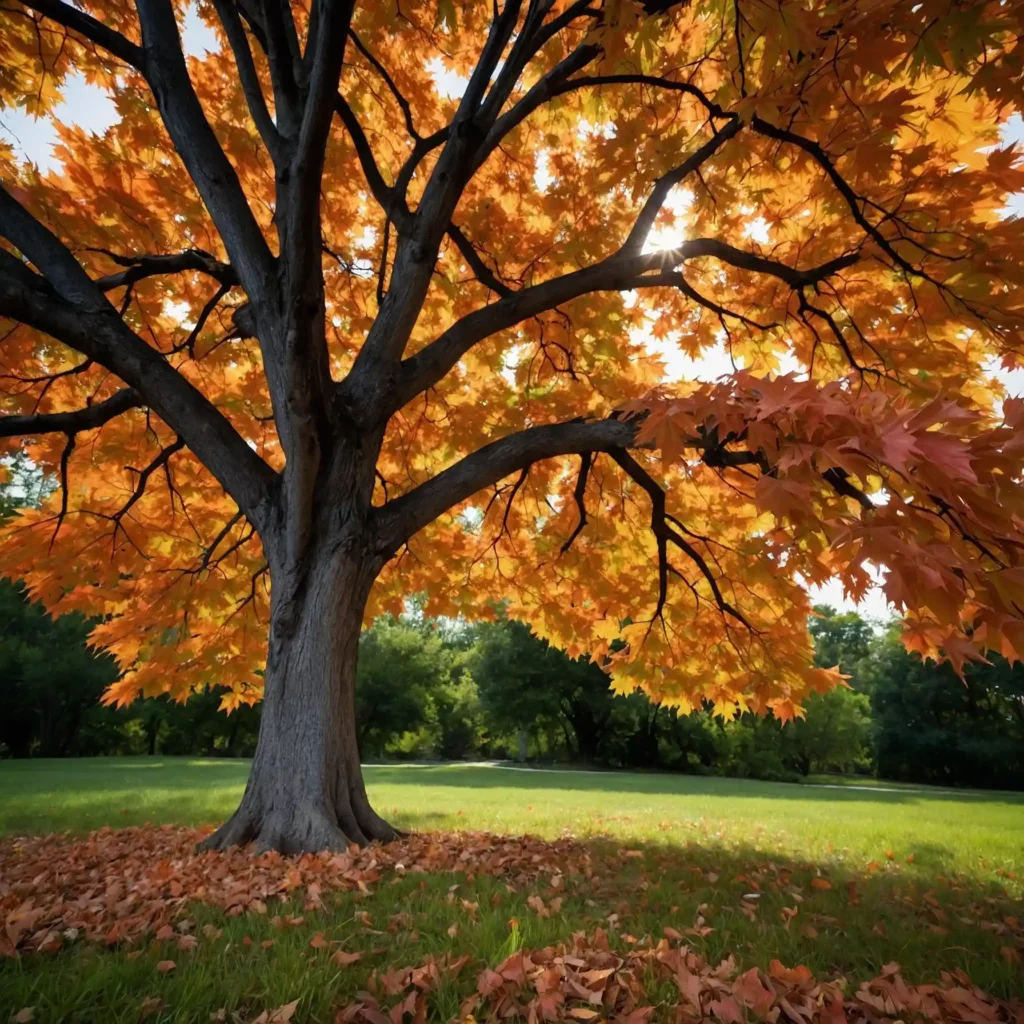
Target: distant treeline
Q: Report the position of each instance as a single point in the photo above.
(438, 689)
(454, 690)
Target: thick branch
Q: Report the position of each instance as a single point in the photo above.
(48, 253)
(325, 50)
(149, 265)
(247, 75)
(618, 272)
(277, 35)
(198, 147)
(71, 423)
(89, 28)
(96, 331)
(398, 520)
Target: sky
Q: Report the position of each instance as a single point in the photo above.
(92, 108)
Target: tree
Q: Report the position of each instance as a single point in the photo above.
(835, 732)
(399, 669)
(934, 727)
(51, 679)
(840, 638)
(525, 683)
(369, 300)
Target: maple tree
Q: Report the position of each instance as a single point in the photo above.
(374, 299)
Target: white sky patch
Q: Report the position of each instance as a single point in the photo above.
(709, 366)
(367, 239)
(511, 363)
(33, 138)
(448, 83)
(586, 130)
(197, 38)
(543, 178)
(1012, 380)
(671, 236)
(178, 311)
(873, 605)
(757, 230)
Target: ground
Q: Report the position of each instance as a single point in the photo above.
(843, 879)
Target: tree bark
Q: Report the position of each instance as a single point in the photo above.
(524, 744)
(305, 791)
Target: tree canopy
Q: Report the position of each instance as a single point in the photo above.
(394, 284)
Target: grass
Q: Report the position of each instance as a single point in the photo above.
(929, 878)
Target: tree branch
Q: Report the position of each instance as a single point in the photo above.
(484, 274)
(619, 272)
(90, 418)
(89, 28)
(397, 520)
(392, 203)
(580, 495)
(152, 265)
(199, 149)
(254, 98)
(94, 329)
(664, 533)
(278, 37)
(400, 99)
(325, 49)
(656, 200)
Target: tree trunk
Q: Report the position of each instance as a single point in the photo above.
(305, 791)
(524, 744)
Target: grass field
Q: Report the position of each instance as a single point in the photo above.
(930, 879)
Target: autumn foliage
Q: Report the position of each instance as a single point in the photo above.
(814, 191)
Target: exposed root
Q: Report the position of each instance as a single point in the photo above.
(301, 829)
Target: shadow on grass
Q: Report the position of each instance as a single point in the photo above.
(721, 901)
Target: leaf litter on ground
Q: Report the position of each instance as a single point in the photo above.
(122, 887)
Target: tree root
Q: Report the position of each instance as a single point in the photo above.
(301, 829)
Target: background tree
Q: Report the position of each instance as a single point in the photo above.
(835, 733)
(51, 681)
(934, 727)
(310, 314)
(399, 667)
(526, 684)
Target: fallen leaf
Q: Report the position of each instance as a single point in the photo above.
(281, 1015)
(343, 959)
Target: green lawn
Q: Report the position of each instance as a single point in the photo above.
(928, 878)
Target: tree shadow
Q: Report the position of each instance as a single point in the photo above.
(834, 915)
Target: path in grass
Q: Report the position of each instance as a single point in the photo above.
(845, 881)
